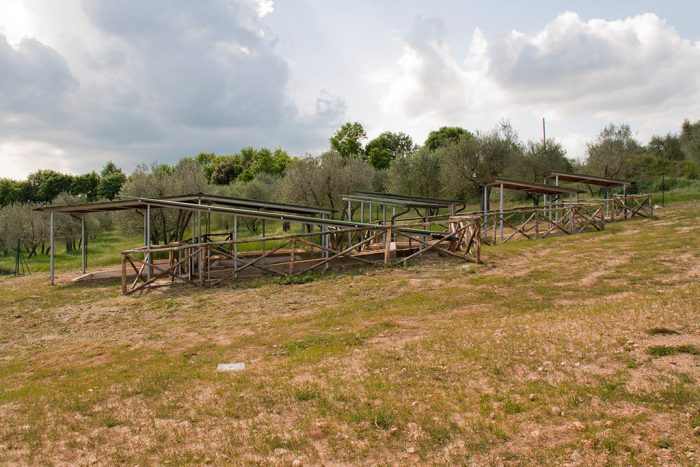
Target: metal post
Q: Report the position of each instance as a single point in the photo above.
(235, 244)
(384, 214)
(148, 241)
(501, 211)
(556, 201)
(624, 201)
(194, 231)
(349, 220)
(51, 247)
(362, 212)
(370, 213)
(83, 246)
(263, 236)
(486, 212)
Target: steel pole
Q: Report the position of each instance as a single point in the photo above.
(501, 211)
(235, 244)
(83, 246)
(148, 241)
(51, 247)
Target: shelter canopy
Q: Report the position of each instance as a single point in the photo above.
(529, 187)
(586, 179)
(404, 201)
(205, 199)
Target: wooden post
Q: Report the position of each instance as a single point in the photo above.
(571, 212)
(124, 273)
(293, 255)
(387, 245)
(624, 201)
(263, 236)
(171, 262)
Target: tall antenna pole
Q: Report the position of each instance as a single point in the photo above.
(544, 135)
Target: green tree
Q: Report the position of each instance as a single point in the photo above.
(416, 174)
(690, 140)
(385, 148)
(159, 181)
(347, 141)
(47, 184)
(322, 181)
(226, 170)
(85, 185)
(466, 163)
(614, 147)
(667, 147)
(11, 191)
(540, 158)
(111, 181)
(445, 136)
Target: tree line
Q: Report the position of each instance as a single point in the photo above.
(450, 164)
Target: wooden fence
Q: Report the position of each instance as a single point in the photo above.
(209, 263)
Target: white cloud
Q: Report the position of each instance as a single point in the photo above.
(638, 69)
(150, 80)
(265, 7)
(599, 66)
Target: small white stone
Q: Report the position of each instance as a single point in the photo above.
(230, 367)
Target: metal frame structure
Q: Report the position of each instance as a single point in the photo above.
(79, 211)
(616, 207)
(381, 201)
(555, 216)
(206, 262)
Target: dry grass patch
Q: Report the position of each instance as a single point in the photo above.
(544, 355)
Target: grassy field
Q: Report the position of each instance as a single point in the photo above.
(572, 350)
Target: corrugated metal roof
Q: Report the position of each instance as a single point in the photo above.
(520, 185)
(587, 179)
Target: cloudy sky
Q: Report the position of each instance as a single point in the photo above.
(85, 81)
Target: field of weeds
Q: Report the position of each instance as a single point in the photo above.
(572, 350)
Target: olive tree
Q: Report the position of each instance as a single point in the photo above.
(159, 181)
(322, 181)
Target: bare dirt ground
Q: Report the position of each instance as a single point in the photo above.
(580, 350)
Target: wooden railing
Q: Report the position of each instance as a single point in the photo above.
(209, 263)
(541, 222)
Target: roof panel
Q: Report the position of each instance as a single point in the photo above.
(587, 179)
(132, 203)
(520, 185)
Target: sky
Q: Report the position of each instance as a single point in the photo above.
(87, 81)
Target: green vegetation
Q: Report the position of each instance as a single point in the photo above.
(665, 350)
